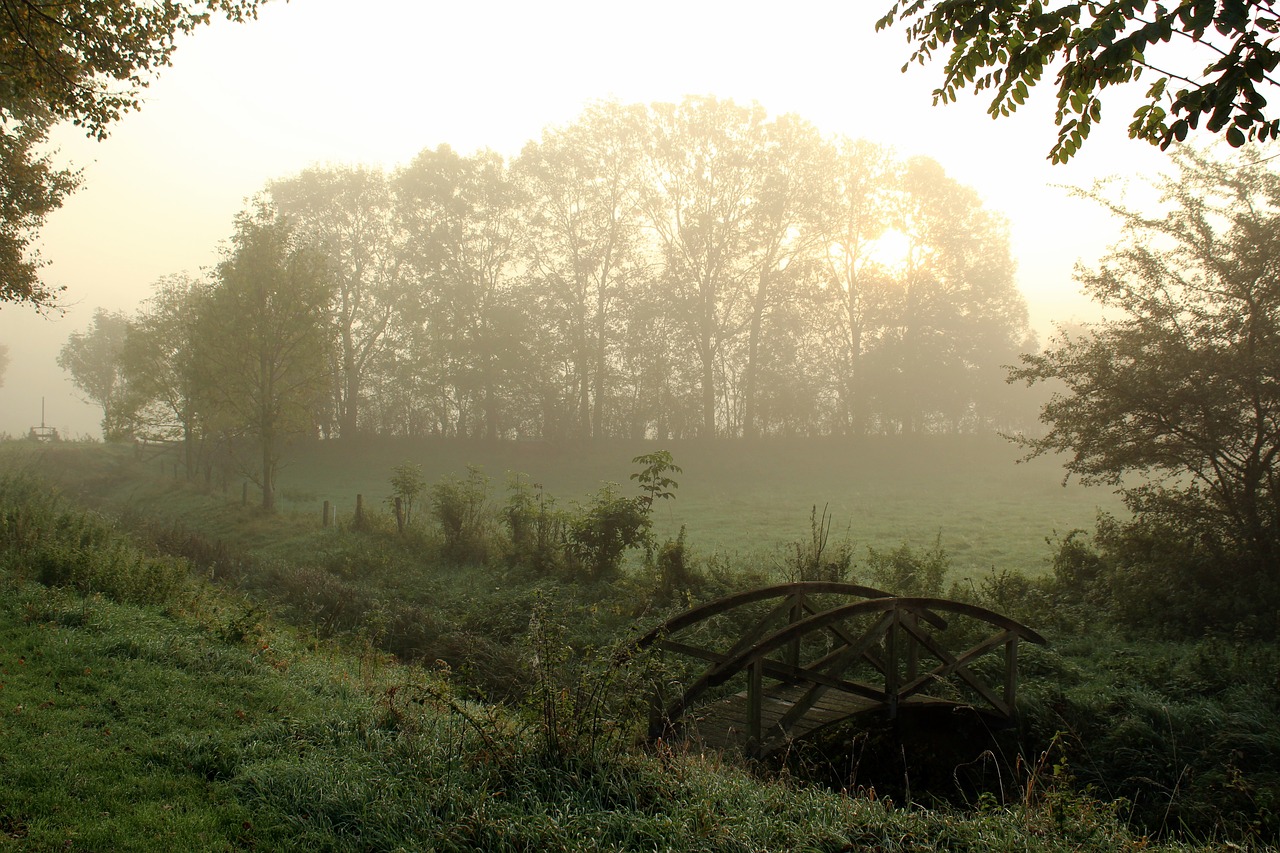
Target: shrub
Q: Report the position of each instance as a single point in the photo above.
(82, 550)
(462, 508)
(1149, 577)
(904, 571)
(407, 484)
(603, 530)
(677, 577)
(535, 529)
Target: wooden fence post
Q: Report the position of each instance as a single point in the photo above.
(359, 520)
(400, 514)
(326, 514)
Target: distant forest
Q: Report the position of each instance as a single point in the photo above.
(664, 271)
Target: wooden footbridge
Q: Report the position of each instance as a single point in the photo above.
(814, 654)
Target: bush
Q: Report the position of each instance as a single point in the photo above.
(1149, 577)
(904, 571)
(602, 532)
(462, 508)
(406, 485)
(82, 550)
(535, 529)
(677, 577)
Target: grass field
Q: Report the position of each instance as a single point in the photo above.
(750, 499)
(186, 717)
(145, 707)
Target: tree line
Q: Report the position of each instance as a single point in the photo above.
(697, 269)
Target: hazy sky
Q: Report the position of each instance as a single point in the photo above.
(331, 81)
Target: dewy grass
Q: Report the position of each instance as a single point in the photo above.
(124, 728)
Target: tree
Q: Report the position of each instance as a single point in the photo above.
(460, 216)
(919, 310)
(785, 229)
(349, 213)
(1178, 389)
(1006, 47)
(582, 233)
(952, 315)
(31, 188)
(86, 63)
(261, 341)
(94, 360)
(159, 361)
(707, 175)
(862, 179)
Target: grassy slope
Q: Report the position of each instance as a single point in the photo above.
(126, 728)
(750, 498)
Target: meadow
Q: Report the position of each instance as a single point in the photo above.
(216, 678)
(751, 499)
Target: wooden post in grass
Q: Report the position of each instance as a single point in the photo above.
(359, 520)
(400, 514)
(327, 517)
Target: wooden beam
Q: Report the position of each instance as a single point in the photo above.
(959, 665)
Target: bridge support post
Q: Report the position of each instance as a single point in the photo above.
(912, 623)
(797, 613)
(891, 663)
(1011, 673)
(755, 707)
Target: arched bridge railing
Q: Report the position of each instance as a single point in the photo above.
(815, 653)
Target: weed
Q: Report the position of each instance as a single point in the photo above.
(535, 529)
(811, 560)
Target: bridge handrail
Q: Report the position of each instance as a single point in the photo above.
(821, 620)
(729, 602)
(922, 606)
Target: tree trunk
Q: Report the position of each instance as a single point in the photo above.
(750, 382)
(708, 393)
(597, 402)
(268, 473)
(351, 395)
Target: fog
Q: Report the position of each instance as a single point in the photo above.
(316, 83)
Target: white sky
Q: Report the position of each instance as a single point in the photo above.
(375, 81)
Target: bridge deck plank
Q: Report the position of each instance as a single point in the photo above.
(723, 724)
